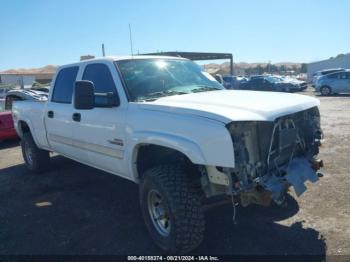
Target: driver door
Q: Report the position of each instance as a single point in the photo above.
(100, 132)
(267, 85)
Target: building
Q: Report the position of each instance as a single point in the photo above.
(86, 57)
(17, 80)
(341, 61)
(25, 79)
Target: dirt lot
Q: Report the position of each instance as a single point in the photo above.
(92, 212)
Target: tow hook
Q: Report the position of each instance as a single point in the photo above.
(317, 164)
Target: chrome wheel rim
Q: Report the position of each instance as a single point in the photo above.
(29, 154)
(158, 213)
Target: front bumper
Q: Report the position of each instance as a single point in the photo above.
(271, 157)
(299, 171)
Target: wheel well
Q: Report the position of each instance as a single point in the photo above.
(149, 156)
(23, 127)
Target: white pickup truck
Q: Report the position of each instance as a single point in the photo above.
(165, 124)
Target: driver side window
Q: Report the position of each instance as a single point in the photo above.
(103, 81)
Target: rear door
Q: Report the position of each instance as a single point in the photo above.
(255, 84)
(339, 82)
(259, 84)
(347, 88)
(267, 85)
(100, 131)
(346, 82)
(59, 111)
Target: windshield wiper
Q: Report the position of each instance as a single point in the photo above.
(203, 88)
(156, 95)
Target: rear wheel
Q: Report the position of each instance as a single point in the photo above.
(36, 159)
(325, 90)
(172, 209)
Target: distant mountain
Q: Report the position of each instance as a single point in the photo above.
(49, 69)
(212, 68)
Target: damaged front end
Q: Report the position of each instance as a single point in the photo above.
(272, 156)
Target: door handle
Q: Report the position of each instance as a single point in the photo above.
(50, 114)
(76, 117)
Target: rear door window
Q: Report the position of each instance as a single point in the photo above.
(64, 83)
(333, 76)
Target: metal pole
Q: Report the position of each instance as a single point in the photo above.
(231, 64)
(132, 52)
(103, 50)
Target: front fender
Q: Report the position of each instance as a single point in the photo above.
(181, 144)
(215, 155)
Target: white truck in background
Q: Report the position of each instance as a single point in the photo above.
(165, 124)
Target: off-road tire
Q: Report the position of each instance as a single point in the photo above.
(39, 160)
(325, 90)
(183, 204)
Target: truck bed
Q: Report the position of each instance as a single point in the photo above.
(32, 112)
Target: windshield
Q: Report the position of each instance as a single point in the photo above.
(149, 79)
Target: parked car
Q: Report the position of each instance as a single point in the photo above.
(318, 74)
(229, 81)
(165, 124)
(269, 83)
(25, 94)
(302, 85)
(233, 82)
(7, 130)
(333, 83)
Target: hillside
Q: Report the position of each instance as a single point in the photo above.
(49, 69)
(212, 68)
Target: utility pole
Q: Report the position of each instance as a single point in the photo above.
(103, 50)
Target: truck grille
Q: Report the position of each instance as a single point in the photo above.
(288, 136)
(270, 145)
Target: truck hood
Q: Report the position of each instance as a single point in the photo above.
(233, 105)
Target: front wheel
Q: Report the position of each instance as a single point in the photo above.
(36, 159)
(171, 208)
(325, 90)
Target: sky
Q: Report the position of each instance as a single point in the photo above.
(35, 33)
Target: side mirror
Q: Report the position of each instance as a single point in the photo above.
(84, 97)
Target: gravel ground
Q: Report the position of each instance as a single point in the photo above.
(92, 212)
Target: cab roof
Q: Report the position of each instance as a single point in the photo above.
(120, 58)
